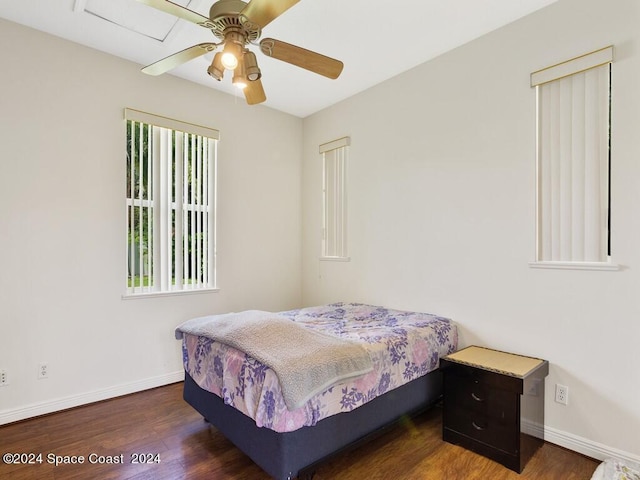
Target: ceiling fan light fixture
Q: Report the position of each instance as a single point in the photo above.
(239, 76)
(229, 61)
(251, 66)
(216, 69)
(240, 82)
(232, 51)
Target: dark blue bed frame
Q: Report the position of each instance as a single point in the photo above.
(297, 454)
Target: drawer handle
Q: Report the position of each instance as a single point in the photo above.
(478, 427)
(476, 397)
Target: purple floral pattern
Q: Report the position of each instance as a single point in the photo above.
(402, 345)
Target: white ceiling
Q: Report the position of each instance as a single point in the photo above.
(375, 39)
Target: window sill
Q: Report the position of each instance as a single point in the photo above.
(335, 259)
(576, 265)
(133, 296)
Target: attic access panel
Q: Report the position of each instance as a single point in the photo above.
(134, 16)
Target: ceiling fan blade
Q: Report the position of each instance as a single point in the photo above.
(178, 11)
(254, 93)
(263, 12)
(312, 61)
(172, 61)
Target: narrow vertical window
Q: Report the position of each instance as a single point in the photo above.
(334, 199)
(573, 162)
(171, 199)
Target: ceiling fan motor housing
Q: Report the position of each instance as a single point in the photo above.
(225, 17)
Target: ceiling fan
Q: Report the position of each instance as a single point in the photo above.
(237, 24)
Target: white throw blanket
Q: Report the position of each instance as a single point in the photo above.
(306, 361)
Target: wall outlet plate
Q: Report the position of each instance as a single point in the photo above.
(562, 394)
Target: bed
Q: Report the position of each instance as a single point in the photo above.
(287, 429)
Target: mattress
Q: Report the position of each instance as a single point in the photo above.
(403, 346)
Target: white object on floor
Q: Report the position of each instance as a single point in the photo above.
(612, 469)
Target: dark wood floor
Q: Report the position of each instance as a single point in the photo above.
(158, 422)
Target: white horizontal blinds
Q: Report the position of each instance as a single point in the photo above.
(573, 163)
(177, 228)
(334, 188)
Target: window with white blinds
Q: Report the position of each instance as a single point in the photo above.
(171, 199)
(573, 162)
(334, 199)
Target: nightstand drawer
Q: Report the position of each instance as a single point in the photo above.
(483, 428)
(487, 379)
(478, 397)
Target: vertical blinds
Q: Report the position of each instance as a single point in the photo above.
(334, 168)
(170, 205)
(573, 159)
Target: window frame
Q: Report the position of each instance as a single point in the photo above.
(334, 245)
(172, 147)
(558, 72)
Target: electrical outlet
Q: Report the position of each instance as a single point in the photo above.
(4, 378)
(562, 394)
(43, 371)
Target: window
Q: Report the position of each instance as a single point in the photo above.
(171, 198)
(334, 199)
(573, 162)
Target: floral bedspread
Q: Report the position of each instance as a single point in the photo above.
(402, 345)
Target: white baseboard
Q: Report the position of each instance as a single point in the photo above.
(36, 409)
(587, 447)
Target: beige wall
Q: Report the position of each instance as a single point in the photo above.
(62, 228)
(441, 208)
(442, 203)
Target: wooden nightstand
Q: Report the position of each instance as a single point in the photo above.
(494, 404)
